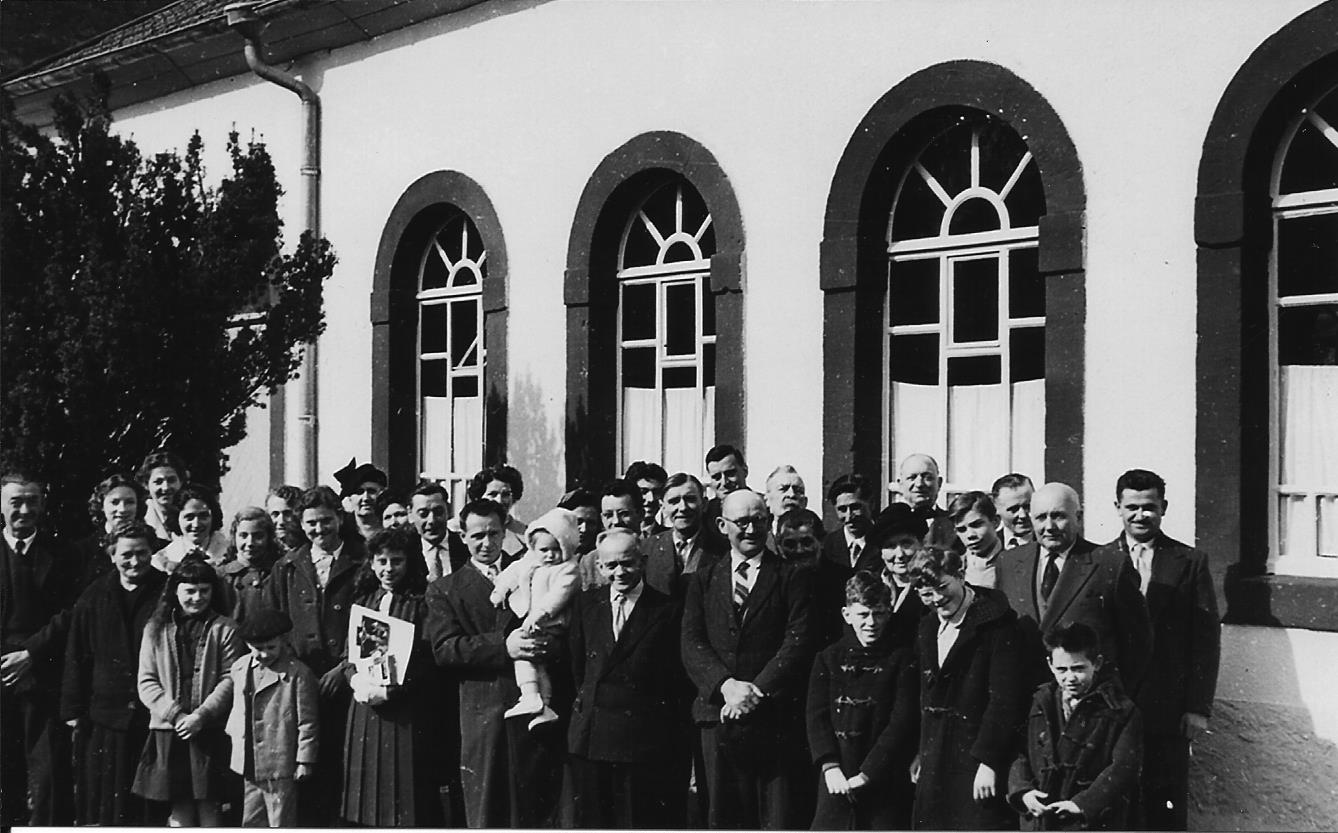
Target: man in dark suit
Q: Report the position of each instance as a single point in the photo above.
(748, 649)
(625, 661)
(919, 481)
(315, 585)
(430, 512)
(844, 551)
(510, 775)
(674, 555)
(39, 583)
(1176, 695)
(1062, 578)
(649, 479)
(727, 471)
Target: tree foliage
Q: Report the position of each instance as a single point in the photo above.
(139, 307)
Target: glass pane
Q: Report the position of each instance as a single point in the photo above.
(1026, 287)
(638, 311)
(434, 378)
(1026, 202)
(708, 365)
(1026, 354)
(1001, 149)
(464, 329)
(914, 359)
(913, 292)
(707, 241)
(465, 386)
(432, 328)
(974, 215)
(918, 212)
(975, 300)
(948, 158)
(435, 272)
(1308, 335)
(679, 252)
(708, 309)
(1308, 254)
(639, 247)
(639, 367)
(680, 377)
(466, 276)
(1311, 162)
(680, 319)
(1328, 108)
(964, 371)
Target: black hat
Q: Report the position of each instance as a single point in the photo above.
(264, 624)
(898, 519)
(352, 476)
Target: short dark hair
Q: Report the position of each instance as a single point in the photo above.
(319, 497)
(193, 569)
(579, 497)
(1074, 637)
(136, 530)
(864, 588)
(795, 518)
(720, 452)
(643, 470)
(206, 494)
(856, 484)
(289, 494)
(21, 477)
(431, 487)
(968, 502)
(387, 497)
(160, 459)
(104, 488)
(1012, 480)
(482, 506)
(930, 563)
(395, 539)
(622, 488)
(1140, 480)
(680, 478)
(478, 484)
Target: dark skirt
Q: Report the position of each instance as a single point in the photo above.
(386, 781)
(172, 769)
(107, 759)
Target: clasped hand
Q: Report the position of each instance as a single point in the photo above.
(741, 697)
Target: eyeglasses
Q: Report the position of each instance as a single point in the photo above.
(758, 521)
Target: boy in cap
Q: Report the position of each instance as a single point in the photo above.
(273, 722)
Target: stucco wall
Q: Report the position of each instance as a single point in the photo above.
(527, 99)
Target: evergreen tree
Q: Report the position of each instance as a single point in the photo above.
(139, 308)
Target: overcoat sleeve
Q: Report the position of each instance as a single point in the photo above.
(784, 672)
(77, 680)
(214, 708)
(454, 643)
(822, 743)
(1205, 643)
(996, 742)
(152, 691)
(308, 715)
(700, 660)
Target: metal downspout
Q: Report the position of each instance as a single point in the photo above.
(300, 430)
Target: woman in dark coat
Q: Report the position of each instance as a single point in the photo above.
(394, 765)
(863, 715)
(973, 698)
(99, 697)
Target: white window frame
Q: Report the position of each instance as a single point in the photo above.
(1288, 206)
(452, 294)
(664, 275)
(949, 249)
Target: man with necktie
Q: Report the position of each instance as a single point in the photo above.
(429, 512)
(1176, 695)
(1062, 577)
(1012, 500)
(625, 662)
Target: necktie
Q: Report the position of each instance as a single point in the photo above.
(682, 550)
(434, 571)
(1050, 576)
(1143, 561)
(741, 585)
(855, 550)
(20, 547)
(619, 614)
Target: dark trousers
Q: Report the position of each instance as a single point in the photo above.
(1165, 783)
(618, 795)
(536, 758)
(320, 798)
(770, 793)
(36, 775)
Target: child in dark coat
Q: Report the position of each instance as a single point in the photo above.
(863, 717)
(1084, 747)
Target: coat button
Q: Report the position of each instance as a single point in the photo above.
(339, 607)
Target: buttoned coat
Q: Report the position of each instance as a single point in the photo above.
(1186, 636)
(244, 584)
(1093, 759)
(56, 576)
(625, 688)
(770, 646)
(211, 687)
(320, 618)
(102, 655)
(862, 714)
(971, 709)
(284, 718)
(663, 571)
(1098, 587)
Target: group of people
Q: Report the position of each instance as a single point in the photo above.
(658, 652)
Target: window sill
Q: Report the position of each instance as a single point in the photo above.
(1280, 600)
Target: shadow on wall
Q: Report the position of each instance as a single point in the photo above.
(535, 447)
(1264, 766)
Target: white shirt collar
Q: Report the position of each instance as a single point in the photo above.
(753, 563)
(630, 597)
(13, 541)
(1131, 543)
(851, 539)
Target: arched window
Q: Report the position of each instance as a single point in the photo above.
(666, 330)
(965, 306)
(451, 352)
(1303, 339)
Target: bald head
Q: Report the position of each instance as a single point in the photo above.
(619, 559)
(1056, 513)
(920, 481)
(745, 521)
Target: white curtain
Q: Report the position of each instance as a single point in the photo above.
(1309, 446)
(468, 422)
(918, 422)
(641, 430)
(1028, 430)
(436, 430)
(682, 430)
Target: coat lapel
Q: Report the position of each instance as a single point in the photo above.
(1168, 567)
(636, 626)
(41, 555)
(1078, 569)
(767, 576)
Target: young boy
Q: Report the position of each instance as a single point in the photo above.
(1084, 743)
(273, 722)
(863, 718)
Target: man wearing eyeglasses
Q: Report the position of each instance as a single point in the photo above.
(747, 647)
